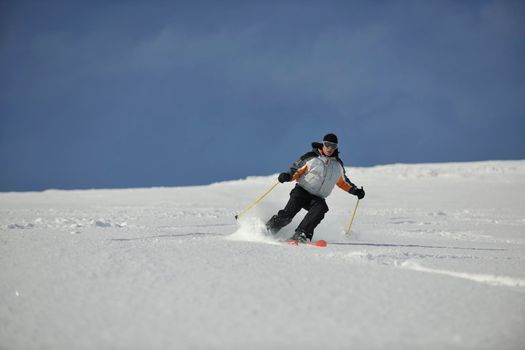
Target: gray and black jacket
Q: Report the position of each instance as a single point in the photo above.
(318, 174)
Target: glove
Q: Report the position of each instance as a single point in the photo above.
(284, 177)
(359, 192)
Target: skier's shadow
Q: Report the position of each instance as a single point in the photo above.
(414, 246)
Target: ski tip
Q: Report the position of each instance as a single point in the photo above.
(320, 243)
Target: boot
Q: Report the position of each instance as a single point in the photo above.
(299, 236)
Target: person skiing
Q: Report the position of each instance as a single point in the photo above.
(316, 173)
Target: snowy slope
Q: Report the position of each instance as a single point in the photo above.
(436, 260)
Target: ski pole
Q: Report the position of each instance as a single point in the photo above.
(352, 220)
(256, 201)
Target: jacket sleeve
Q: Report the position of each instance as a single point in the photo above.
(299, 167)
(344, 182)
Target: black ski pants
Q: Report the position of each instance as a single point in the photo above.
(300, 199)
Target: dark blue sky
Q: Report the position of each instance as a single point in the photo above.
(168, 93)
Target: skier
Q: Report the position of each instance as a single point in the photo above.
(316, 173)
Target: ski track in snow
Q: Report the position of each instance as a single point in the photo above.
(436, 260)
(481, 278)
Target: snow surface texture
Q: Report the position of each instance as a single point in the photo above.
(436, 260)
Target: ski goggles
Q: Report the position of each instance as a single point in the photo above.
(329, 144)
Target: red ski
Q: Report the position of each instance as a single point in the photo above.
(319, 243)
